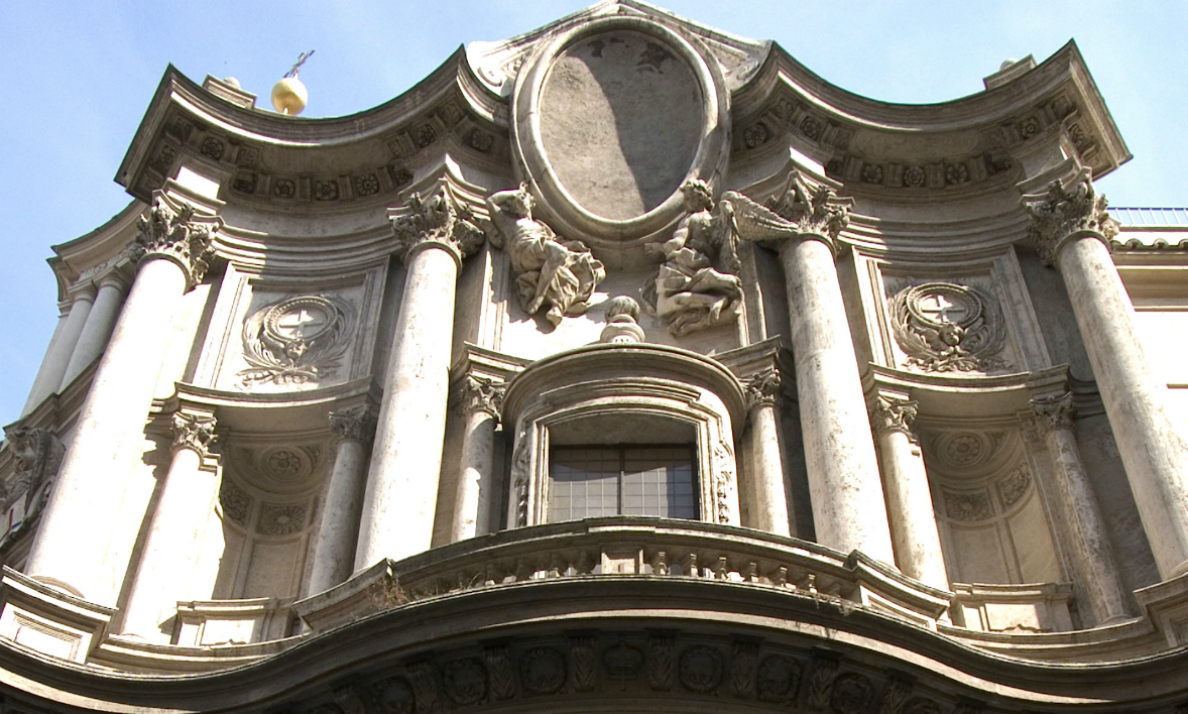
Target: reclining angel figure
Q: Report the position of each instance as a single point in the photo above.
(697, 286)
(559, 274)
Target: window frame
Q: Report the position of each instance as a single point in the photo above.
(622, 448)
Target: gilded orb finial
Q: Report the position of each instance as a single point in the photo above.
(289, 95)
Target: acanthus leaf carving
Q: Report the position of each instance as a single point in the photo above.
(945, 327)
(297, 340)
(1066, 210)
(1054, 412)
(443, 220)
(353, 424)
(482, 394)
(816, 210)
(173, 230)
(763, 388)
(552, 274)
(193, 431)
(893, 414)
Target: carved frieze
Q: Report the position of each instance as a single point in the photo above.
(778, 679)
(552, 273)
(1014, 485)
(172, 230)
(967, 505)
(945, 327)
(701, 668)
(236, 503)
(1067, 210)
(281, 518)
(297, 340)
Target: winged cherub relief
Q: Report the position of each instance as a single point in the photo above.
(697, 286)
(556, 275)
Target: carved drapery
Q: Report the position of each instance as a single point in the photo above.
(1063, 212)
(171, 229)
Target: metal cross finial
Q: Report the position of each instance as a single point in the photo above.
(300, 61)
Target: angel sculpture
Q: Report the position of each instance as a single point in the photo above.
(558, 273)
(696, 287)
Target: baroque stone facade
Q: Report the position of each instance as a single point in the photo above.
(625, 364)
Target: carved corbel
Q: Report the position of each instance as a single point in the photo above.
(1065, 211)
(352, 424)
(442, 220)
(194, 431)
(173, 230)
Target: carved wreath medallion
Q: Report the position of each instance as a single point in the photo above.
(943, 327)
(297, 340)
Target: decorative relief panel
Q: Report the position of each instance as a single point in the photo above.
(945, 327)
(297, 340)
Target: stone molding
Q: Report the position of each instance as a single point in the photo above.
(442, 220)
(892, 414)
(172, 229)
(1054, 412)
(352, 424)
(194, 431)
(1068, 210)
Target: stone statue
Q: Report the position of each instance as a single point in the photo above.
(558, 274)
(37, 454)
(696, 286)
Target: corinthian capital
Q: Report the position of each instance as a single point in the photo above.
(171, 229)
(354, 424)
(763, 388)
(482, 394)
(816, 210)
(193, 431)
(1065, 211)
(1054, 412)
(891, 414)
(443, 219)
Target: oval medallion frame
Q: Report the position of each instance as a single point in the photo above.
(570, 218)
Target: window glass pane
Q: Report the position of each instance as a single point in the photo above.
(585, 483)
(658, 481)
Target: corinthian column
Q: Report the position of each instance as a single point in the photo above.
(848, 507)
(95, 333)
(1071, 230)
(61, 346)
(175, 532)
(482, 398)
(1090, 543)
(172, 250)
(914, 532)
(338, 534)
(434, 235)
(767, 497)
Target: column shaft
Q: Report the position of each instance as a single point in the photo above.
(61, 346)
(402, 483)
(918, 551)
(96, 331)
(164, 575)
(848, 506)
(1090, 542)
(1154, 453)
(472, 508)
(769, 502)
(107, 440)
(338, 534)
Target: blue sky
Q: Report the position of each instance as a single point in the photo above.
(77, 77)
